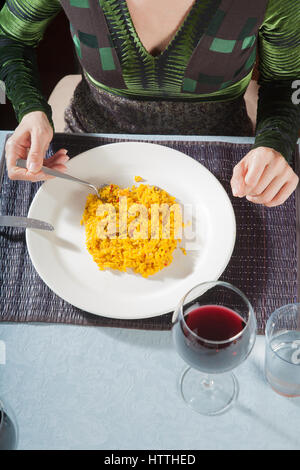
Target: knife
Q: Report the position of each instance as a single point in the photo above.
(24, 222)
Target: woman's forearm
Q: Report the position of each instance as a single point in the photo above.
(19, 72)
(278, 119)
(22, 25)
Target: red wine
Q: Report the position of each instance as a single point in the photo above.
(214, 322)
(196, 338)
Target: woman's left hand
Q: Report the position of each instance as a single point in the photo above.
(264, 177)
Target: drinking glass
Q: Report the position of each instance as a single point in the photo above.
(282, 358)
(214, 330)
(8, 428)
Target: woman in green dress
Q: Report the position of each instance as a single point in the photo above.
(162, 67)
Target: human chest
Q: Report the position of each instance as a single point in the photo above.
(212, 48)
(156, 21)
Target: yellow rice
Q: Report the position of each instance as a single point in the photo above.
(144, 256)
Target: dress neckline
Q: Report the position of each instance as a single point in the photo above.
(174, 37)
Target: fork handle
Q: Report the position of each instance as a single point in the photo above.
(21, 163)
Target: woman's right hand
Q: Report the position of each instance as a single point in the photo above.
(30, 141)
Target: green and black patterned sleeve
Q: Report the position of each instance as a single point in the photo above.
(278, 119)
(22, 25)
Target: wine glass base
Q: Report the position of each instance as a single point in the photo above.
(8, 428)
(208, 394)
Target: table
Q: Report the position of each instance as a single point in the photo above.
(75, 387)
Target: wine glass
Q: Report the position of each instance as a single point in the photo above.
(214, 330)
(8, 428)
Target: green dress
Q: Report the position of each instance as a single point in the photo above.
(210, 58)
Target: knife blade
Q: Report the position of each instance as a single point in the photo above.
(24, 222)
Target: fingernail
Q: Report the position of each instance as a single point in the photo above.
(66, 158)
(33, 167)
(234, 191)
(65, 150)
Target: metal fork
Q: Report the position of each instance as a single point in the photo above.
(21, 163)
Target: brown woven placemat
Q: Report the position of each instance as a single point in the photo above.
(263, 264)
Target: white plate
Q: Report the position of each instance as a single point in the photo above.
(63, 262)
